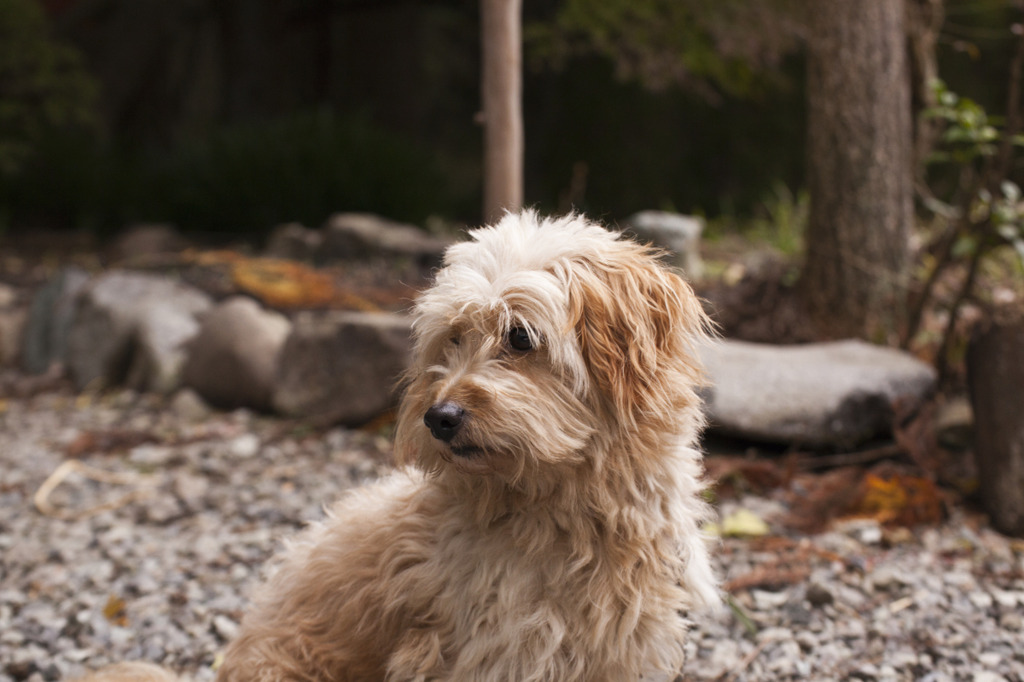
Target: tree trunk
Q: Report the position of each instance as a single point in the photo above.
(860, 176)
(501, 39)
(995, 373)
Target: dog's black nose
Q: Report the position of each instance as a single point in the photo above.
(444, 420)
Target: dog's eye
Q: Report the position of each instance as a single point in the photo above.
(519, 339)
(454, 340)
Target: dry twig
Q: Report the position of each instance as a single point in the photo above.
(143, 487)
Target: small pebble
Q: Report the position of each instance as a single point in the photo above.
(245, 446)
(225, 628)
(819, 595)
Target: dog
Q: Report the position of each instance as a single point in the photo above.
(544, 522)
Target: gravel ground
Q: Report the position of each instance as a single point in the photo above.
(163, 576)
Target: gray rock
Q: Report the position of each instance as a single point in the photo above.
(1012, 622)
(354, 236)
(724, 657)
(12, 325)
(293, 241)
(244, 446)
(342, 367)
(985, 676)
(980, 600)
(189, 405)
(825, 394)
(954, 424)
(159, 354)
(225, 628)
(132, 326)
(232, 360)
(151, 456)
(819, 595)
(161, 509)
(867, 671)
(886, 578)
(8, 296)
(678, 234)
(144, 241)
(191, 491)
(12, 331)
(49, 320)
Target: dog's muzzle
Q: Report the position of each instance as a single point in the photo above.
(445, 420)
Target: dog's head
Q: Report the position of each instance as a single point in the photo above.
(548, 343)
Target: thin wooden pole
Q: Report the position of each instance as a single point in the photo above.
(501, 40)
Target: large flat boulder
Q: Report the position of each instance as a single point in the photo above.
(834, 394)
(341, 367)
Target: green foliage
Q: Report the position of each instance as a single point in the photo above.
(1007, 215)
(730, 45)
(986, 217)
(43, 84)
(782, 219)
(969, 132)
(779, 220)
(242, 179)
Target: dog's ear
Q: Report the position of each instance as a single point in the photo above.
(639, 326)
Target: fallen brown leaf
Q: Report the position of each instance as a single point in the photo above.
(899, 499)
(115, 611)
(289, 284)
(769, 577)
(736, 475)
(106, 441)
(816, 499)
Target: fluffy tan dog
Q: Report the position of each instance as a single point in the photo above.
(545, 523)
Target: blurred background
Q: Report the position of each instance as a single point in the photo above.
(233, 116)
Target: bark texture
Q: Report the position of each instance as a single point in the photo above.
(502, 106)
(860, 176)
(995, 371)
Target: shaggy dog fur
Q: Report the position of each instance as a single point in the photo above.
(545, 522)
